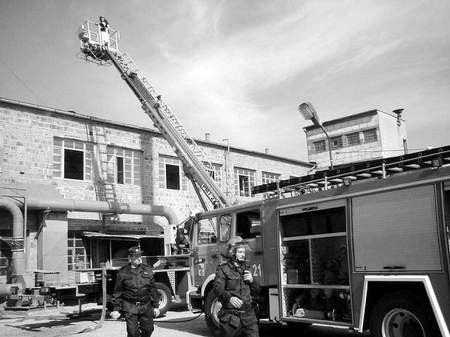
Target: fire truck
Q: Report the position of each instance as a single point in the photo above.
(363, 246)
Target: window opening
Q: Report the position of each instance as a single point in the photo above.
(207, 231)
(73, 164)
(225, 227)
(268, 177)
(320, 146)
(244, 181)
(172, 177)
(72, 159)
(214, 171)
(243, 186)
(248, 224)
(370, 135)
(336, 142)
(119, 169)
(170, 174)
(353, 139)
(124, 166)
(76, 252)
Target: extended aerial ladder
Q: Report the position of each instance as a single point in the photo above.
(195, 164)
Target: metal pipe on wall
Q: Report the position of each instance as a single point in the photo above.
(102, 207)
(17, 243)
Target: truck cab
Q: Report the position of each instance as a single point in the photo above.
(211, 233)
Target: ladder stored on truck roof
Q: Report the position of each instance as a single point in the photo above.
(346, 174)
(195, 164)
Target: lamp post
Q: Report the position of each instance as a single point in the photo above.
(227, 158)
(309, 113)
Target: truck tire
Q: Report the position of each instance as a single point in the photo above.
(165, 301)
(402, 314)
(212, 307)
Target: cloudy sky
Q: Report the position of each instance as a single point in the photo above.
(239, 69)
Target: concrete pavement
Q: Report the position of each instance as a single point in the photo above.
(176, 323)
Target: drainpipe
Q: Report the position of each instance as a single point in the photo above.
(17, 244)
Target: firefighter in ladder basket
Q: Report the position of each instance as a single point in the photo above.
(235, 288)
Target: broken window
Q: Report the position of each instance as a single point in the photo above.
(72, 159)
(172, 177)
(170, 174)
(119, 170)
(244, 181)
(73, 164)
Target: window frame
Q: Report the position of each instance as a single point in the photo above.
(269, 177)
(163, 161)
(374, 135)
(248, 174)
(67, 174)
(318, 148)
(72, 239)
(340, 141)
(131, 165)
(215, 172)
(178, 175)
(59, 157)
(258, 223)
(119, 177)
(348, 136)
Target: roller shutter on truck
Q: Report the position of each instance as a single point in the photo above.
(396, 229)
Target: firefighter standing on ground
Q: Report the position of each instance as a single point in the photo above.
(235, 287)
(136, 295)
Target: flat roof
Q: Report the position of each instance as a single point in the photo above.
(350, 117)
(73, 114)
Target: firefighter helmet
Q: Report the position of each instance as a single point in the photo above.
(231, 246)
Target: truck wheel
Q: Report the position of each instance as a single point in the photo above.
(212, 307)
(165, 300)
(402, 315)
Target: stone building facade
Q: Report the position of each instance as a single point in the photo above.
(86, 158)
(367, 135)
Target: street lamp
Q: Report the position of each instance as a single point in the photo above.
(309, 113)
(227, 158)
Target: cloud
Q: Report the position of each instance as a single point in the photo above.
(220, 77)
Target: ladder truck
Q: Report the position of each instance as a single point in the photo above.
(195, 163)
(363, 246)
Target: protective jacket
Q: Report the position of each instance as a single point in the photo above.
(229, 282)
(135, 285)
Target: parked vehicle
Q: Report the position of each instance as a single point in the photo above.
(368, 254)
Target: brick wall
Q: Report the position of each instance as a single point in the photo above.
(28, 156)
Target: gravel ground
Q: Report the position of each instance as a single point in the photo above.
(176, 323)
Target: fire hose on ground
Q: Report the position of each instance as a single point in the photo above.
(103, 315)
